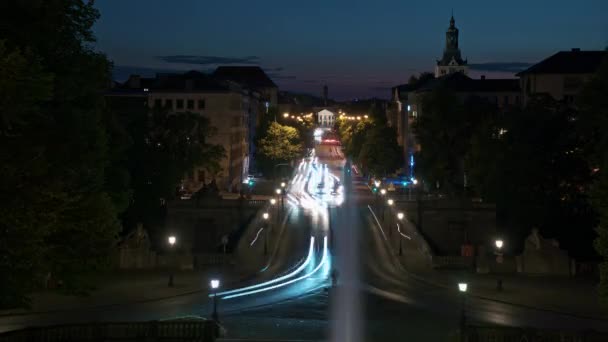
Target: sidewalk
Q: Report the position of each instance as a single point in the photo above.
(575, 296)
(123, 287)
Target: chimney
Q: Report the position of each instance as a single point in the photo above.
(134, 81)
(483, 77)
(576, 49)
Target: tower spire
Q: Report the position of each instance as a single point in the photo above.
(452, 21)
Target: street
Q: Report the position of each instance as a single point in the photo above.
(330, 225)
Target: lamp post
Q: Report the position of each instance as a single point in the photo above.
(376, 186)
(462, 288)
(172, 240)
(390, 203)
(382, 193)
(279, 192)
(414, 182)
(273, 203)
(215, 284)
(265, 216)
(400, 218)
(499, 243)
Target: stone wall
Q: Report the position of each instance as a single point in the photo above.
(447, 225)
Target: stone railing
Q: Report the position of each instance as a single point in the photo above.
(191, 330)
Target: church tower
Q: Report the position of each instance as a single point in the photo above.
(451, 61)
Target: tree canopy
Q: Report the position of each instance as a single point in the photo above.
(58, 214)
(280, 144)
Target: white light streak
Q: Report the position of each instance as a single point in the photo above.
(276, 280)
(323, 260)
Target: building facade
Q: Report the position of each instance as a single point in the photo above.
(326, 118)
(560, 76)
(451, 61)
(227, 105)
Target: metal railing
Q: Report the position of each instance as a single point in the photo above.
(153, 331)
(512, 334)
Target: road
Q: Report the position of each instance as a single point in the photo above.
(329, 225)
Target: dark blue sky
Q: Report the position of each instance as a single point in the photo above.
(359, 48)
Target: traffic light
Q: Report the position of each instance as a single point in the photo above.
(374, 190)
(250, 183)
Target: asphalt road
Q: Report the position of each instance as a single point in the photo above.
(376, 298)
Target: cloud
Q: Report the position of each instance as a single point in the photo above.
(501, 66)
(208, 60)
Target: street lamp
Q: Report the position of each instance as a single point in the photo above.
(400, 218)
(390, 203)
(266, 216)
(414, 182)
(462, 287)
(283, 184)
(172, 240)
(273, 201)
(285, 115)
(215, 284)
(499, 243)
(383, 192)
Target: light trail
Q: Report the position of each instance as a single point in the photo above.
(256, 237)
(378, 222)
(399, 230)
(323, 261)
(276, 280)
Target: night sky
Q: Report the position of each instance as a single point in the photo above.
(358, 48)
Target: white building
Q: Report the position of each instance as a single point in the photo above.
(326, 118)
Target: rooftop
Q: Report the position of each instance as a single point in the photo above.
(460, 82)
(568, 62)
(250, 76)
(191, 81)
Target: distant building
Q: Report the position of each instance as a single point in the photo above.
(326, 118)
(252, 77)
(227, 105)
(451, 61)
(406, 105)
(562, 75)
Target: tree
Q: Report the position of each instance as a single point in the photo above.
(593, 124)
(380, 154)
(58, 215)
(443, 133)
(166, 147)
(280, 143)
